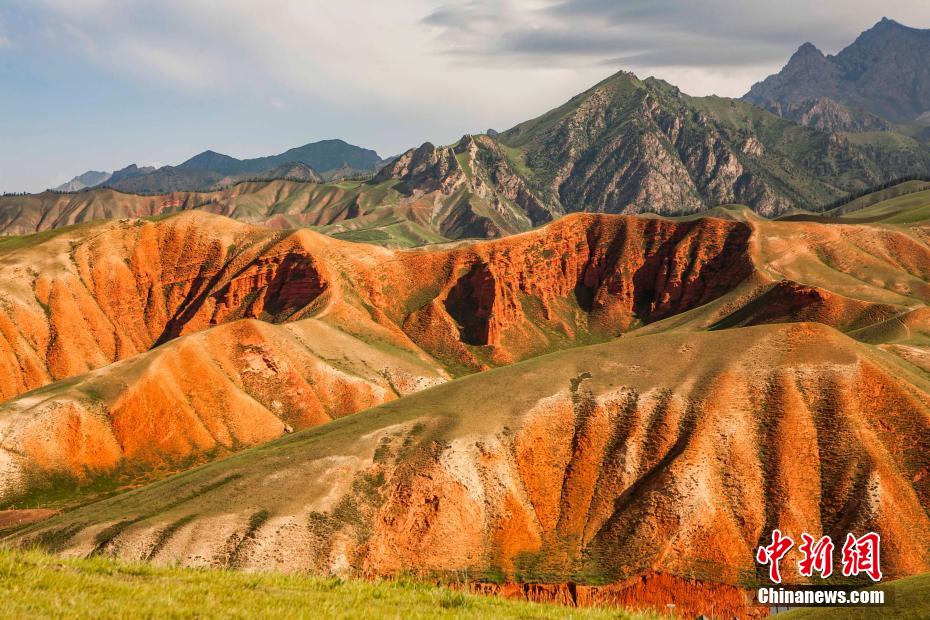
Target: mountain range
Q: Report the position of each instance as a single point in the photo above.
(880, 80)
(326, 159)
(624, 146)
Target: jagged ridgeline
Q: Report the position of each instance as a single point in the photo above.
(877, 83)
(624, 146)
(631, 146)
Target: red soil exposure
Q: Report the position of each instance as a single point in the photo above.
(202, 395)
(582, 274)
(651, 592)
(87, 298)
(683, 468)
(273, 287)
(80, 302)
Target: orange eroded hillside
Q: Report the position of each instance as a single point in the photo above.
(81, 299)
(669, 454)
(87, 297)
(77, 300)
(199, 396)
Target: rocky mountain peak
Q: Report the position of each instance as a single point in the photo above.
(884, 72)
(805, 52)
(426, 168)
(886, 24)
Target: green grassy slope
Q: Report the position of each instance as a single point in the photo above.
(35, 585)
(903, 209)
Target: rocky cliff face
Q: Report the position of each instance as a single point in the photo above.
(475, 189)
(581, 277)
(631, 146)
(425, 169)
(884, 72)
(827, 115)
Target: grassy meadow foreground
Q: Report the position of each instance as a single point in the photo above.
(36, 585)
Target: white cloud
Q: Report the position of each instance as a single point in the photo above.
(445, 68)
(714, 46)
(377, 60)
(462, 54)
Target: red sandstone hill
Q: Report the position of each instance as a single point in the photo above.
(197, 397)
(384, 322)
(79, 300)
(668, 454)
(85, 297)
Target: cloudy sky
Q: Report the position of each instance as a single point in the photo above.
(99, 84)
